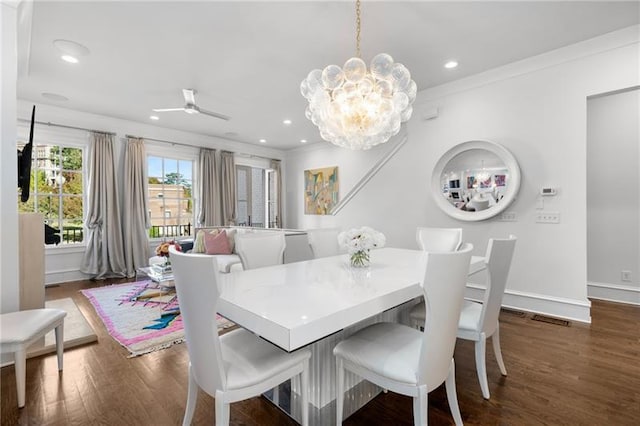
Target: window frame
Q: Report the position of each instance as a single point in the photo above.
(178, 153)
(62, 138)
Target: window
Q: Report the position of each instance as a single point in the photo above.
(256, 190)
(170, 197)
(57, 189)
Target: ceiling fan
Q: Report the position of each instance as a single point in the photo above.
(190, 106)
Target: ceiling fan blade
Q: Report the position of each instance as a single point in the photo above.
(214, 114)
(189, 96)
(167, 109)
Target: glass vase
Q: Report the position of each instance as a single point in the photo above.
(360, 259)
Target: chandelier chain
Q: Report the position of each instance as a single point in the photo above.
(358, 29)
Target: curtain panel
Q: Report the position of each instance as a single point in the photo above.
(104, 256)
(135, 217)
(277, 166)
(210, 213)
(229, 196)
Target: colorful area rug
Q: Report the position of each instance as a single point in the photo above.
(140, 316)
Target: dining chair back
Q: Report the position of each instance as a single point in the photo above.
(323, 242)
(444, 287)
(260, 249)
(498, 257)
(198, 298)
(478, 321)
(439, 239)
(237, 365)
(405, 360)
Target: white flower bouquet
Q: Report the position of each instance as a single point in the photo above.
(359, 241)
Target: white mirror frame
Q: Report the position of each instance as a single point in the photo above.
(512, 188)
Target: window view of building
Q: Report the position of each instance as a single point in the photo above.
(57, 189)
(170, 196)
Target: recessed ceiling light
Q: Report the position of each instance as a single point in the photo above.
(154, 117)
(303, 141)
(70, 59)
(451, 64)
(54, 97)
(286, 122)
(263, 141)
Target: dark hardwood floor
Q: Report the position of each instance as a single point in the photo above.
(576, 375)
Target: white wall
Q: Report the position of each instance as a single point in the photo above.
(63, 263)
(8, 175)
(536, 108)
(613, 195)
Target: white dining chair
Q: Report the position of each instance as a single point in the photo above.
(439, 239)
(237, 365)
(260, 249)
(408, 361)
(19, 330)
(478, 321)
(436, 240)
(323, 242)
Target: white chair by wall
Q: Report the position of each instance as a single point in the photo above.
(408, 361)
(237, 365)
(439, 239)
(260, 249)
(478, 321)
(323, 242)
(18, 330)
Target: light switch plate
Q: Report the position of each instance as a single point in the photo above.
(508, 217)
(547, 217)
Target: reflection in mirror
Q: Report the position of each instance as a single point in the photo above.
(475, 180)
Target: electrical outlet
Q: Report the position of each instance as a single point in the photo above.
(626, 276)
(547, 217)
(508, 217)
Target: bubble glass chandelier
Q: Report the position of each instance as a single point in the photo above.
(358, 108)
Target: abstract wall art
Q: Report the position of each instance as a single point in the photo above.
(320, 190)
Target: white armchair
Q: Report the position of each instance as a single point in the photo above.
(260, 249)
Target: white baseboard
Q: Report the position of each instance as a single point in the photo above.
(614, 292)
(559, 307)
(63, 276)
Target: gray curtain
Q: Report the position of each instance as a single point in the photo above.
(104, 256)
(228, 188)
(277, 166)
(135, 218)
(210, 212)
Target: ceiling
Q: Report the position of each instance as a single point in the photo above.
(247, 59)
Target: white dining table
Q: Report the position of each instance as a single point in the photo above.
(316, 303)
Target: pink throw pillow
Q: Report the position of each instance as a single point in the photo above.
(217, 243)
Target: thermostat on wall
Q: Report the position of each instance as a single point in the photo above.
(548, 191)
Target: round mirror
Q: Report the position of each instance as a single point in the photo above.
(475, 180)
